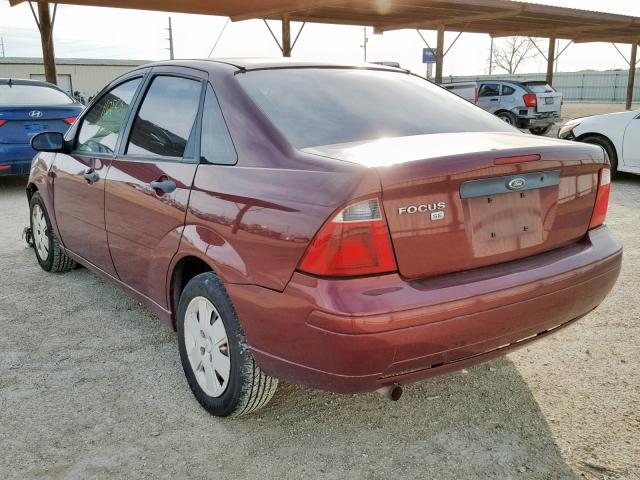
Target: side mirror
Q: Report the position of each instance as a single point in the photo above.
(48, 142)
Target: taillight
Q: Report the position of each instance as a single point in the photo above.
(477, 96)
(70, 120)
(530, 100)
(2, 122)
(354, 242)
(602, 198)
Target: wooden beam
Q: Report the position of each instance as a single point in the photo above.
(551, 60)
(632, 74)
(428, 25)
(46, 38)
(440, 54)
(286, 35)
(556, 32)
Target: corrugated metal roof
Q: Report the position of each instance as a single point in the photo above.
(73, 61)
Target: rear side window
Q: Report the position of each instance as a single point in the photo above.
(103, 123)
(489, 90)
(216, 145)
(507, 90)
(32, 95)
(540, 87)
(165, 119)
(325, 106)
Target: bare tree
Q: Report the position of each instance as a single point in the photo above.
(511, 52)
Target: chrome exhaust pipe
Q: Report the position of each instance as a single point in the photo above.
(391, 392)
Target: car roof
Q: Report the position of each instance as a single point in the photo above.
(25, 81)
(254, 63)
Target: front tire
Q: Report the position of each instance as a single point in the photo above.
(608, 148)
(507, 117)
(49, 252)
(540, 130)
(216, 360)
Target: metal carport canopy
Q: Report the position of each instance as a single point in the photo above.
(494, 17)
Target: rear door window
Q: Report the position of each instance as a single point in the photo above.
(489, 90)
(216, 145)
(165, 120)
(103, 123)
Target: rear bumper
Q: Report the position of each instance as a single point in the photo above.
(15, 158)
(360, 334)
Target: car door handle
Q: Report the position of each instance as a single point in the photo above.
(91, 176)
(165, 186)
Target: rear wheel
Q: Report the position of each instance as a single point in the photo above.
(49, 252)
(540, 130)
(219, 367)
(608, 148)
(507, 117)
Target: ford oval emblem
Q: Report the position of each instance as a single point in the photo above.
(35, 113)
(516, 183)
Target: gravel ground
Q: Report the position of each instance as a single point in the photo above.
(91, 387)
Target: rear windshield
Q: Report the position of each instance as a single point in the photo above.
(539, 87)
(39, 95)
(314, 106)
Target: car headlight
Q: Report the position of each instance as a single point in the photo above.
(567, 129)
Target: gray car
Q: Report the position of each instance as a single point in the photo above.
(535, 105)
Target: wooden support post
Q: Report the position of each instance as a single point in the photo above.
(632, 74)
(46, 36)
(551, 59)
(440, 54)
(286, 35)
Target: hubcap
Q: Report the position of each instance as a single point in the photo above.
(40, 232)
(207, 346)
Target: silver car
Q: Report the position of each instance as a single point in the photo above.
(535, 106)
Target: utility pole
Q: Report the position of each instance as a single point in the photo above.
(171, 56)
(491, 58)
(2, 46)
(364, 45)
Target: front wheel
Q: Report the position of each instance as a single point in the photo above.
(540, 130)
(608, 147)
(216, 360)
(49, 252)
(507, 117)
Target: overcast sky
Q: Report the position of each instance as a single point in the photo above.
(89, 32)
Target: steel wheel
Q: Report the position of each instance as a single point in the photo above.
(40, 232)
(207, 346)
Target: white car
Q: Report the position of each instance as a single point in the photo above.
(617, 133)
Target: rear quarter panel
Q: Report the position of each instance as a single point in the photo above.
(252, 221)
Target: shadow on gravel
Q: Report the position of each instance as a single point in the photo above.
(91, 387)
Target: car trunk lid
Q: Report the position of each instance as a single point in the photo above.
(548, 99)
(22, 123)
(459, 201)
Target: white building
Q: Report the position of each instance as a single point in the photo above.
(84, 75)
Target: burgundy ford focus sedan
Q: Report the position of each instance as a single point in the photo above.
(347, 228)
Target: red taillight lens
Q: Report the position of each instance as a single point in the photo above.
(2, 122)
(602, 198)
(530, 100)
(354, 242)
(70, 120)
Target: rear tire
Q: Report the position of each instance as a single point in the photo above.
(507, 117)
(49, 251)
(608, 148)
(540, 130)
(216, 360)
